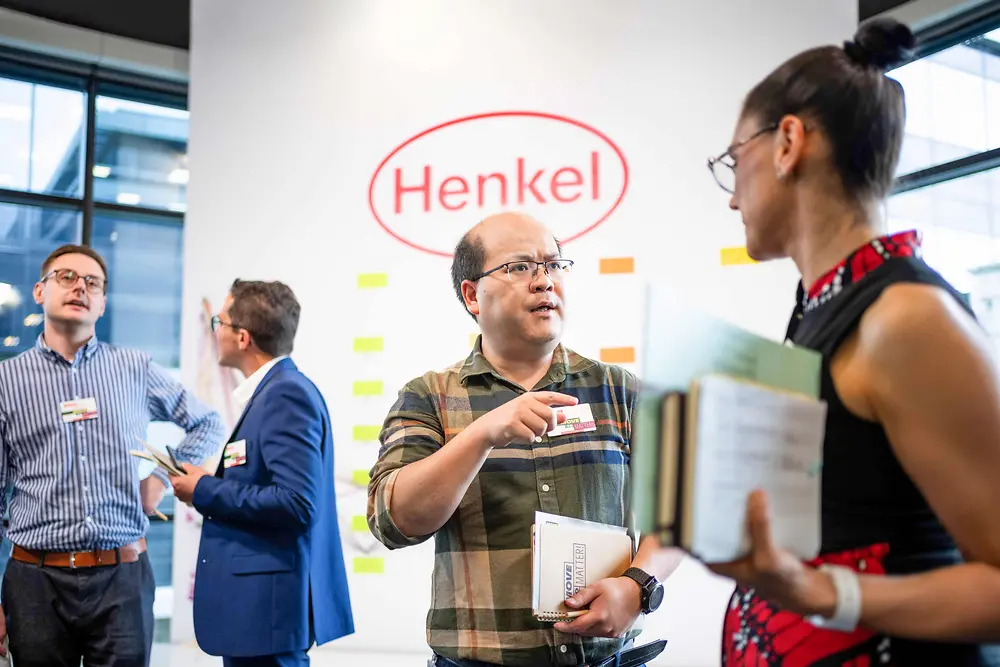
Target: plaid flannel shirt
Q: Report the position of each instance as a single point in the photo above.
(481, 592)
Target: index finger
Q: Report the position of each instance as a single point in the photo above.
(555, 398)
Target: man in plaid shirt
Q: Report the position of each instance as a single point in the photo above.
(466, 457)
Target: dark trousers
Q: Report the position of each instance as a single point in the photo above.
(58, 616)
(293, 659)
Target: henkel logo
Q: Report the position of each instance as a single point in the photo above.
(434, 186)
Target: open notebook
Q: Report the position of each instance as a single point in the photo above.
(719, 441)
(570, 554)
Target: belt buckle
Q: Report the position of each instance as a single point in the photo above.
(72, 560)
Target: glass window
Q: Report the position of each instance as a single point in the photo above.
(952, 103)
(144, 255)
(27, 235)
(140, 155)
(42, 129)
(960, 222)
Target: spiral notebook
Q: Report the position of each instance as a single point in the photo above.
(570, 554)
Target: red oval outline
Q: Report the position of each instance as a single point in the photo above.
(498, 114)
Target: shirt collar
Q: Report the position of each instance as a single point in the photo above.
(565, 362)
(86, 352)
(245, 390)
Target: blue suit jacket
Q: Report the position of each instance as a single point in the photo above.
(270, 559)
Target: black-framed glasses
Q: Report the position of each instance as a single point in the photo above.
(217, 322)
(723, 167)
(524, 271)
(68, 278)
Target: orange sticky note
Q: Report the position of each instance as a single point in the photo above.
(618, 265)
(618, 355)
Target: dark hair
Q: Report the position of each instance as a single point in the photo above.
(269, 311)
(467, 263)
(845, 91)
(72, 249)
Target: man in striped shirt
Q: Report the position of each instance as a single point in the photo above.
(79, 584)
(466, 458)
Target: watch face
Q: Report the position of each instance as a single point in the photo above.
(655, 598)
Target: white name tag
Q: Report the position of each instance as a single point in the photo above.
(579, 419)
(79, 410)
(235, 454)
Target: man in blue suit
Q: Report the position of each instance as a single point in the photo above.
(270, 580)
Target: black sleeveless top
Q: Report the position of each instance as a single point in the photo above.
(874, 519)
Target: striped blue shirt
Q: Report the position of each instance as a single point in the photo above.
(75, 485)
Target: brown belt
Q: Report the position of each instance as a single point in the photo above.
(74, 559)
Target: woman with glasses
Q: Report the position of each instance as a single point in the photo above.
(909, 571)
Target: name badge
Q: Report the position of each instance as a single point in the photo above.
(79, 410)
(579, 419)
(235, 454)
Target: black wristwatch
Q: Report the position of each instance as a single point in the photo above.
(650, 589)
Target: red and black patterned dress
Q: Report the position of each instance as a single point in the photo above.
(875, 520)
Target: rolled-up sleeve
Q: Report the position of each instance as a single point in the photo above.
(412, 431)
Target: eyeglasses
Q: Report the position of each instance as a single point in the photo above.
(68, 278)
(525, 271)
(723, 167)
(217, 322)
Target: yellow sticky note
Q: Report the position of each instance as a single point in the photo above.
(360, 477)
(359, 523)
(368, 388)
(369, 565)
(372, 280)
(735, 256)
(618, 355)
(373, 344)
(617, 265)
(364, 433)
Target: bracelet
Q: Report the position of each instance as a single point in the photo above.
(848, 611)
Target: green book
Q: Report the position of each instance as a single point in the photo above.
(681, 344)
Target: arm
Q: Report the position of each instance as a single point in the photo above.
(416, 483)
(291, 443)
(169, 401)
(934, 387)
(3, 471)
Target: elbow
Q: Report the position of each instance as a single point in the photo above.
(303, 515)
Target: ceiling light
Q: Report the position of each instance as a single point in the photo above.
(128, 198)
(177, 206)
(33, 320)
(11, 341)
(9, 296)
(101, 171)
(178, 177)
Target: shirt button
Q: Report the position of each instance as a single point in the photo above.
(563, 649)
(545, 487)
(204, 560)
(90, 519)
(83, 457)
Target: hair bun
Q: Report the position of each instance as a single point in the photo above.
(881, 44)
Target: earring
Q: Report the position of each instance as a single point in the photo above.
(780, 174)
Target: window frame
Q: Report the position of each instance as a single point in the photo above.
(963, 28)
(93, 81)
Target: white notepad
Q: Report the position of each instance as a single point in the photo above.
(740, 436)
(570, 554)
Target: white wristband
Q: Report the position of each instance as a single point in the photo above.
(848, 611)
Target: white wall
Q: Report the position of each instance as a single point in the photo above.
(293, 110)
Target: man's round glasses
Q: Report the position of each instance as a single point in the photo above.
(525, 271)
(68, 278)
